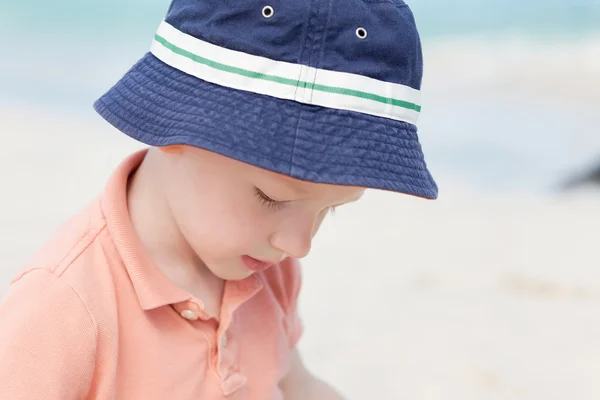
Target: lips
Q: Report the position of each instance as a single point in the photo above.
(256, 265)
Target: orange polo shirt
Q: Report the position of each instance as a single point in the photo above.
(92, 317)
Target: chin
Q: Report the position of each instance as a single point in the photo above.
(233, 274)
(237, 277)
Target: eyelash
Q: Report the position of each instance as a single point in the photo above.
(274, 204)
(267, 201)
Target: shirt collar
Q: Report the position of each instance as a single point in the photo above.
(153, 288)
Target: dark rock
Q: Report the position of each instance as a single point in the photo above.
(590, 178)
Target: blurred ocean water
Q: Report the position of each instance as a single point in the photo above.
(511, 88)
(111, 18)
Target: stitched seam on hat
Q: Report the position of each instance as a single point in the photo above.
(286, 81)
(184, 82)
(310, 31)
(356, 115)
(208, 98)
(397, 3)
(300, 60)
(325, 30)
(315, 45)
(413, 141)
(405, 141)
(170, 128)
(359, 115)
(416, 159)
(295, 140)
(317, 157)
(125, 86)
(186, 134)
(409, 143)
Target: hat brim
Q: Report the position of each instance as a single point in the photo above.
(159, 105)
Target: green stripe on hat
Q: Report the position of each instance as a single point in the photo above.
(284, 80)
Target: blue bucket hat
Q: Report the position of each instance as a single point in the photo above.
(323, 91)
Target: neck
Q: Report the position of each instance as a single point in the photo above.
(159, 233)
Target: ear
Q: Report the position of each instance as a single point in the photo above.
(172, 149)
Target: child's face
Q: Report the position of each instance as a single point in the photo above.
(228, 210)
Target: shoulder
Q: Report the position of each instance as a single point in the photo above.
(40, 298)
(68, 242)
(69, 263)
(63, 287)
(48, 339)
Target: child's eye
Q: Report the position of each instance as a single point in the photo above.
(267, 201)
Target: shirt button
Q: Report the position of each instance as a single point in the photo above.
(190, 315)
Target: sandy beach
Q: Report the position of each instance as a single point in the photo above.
(477, 295)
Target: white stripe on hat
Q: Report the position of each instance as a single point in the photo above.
(308, 85)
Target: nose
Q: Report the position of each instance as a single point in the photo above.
(294, 241)
(294, 236)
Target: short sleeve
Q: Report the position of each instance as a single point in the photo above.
(47, 340)
(293, 283)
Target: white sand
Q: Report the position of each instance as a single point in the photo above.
(472, 296)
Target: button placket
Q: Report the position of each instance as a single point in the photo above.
(190, 315)
(236, 294)
(226, 356)
(190, 311)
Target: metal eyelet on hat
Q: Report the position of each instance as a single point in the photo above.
(267, 11)
(361, 33)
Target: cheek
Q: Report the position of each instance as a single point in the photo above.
(221, 224)
(246, 223)
(319, 221)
